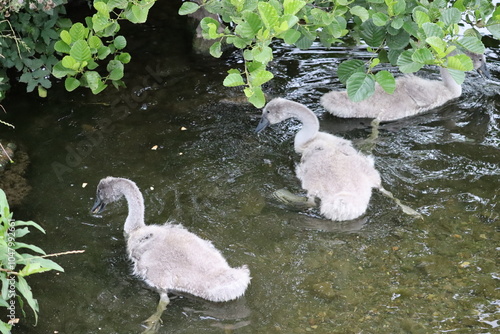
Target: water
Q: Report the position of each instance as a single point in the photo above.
(383, 273)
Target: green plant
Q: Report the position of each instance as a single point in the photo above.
(27, 36)
(33, 33)
(85, 47)
(406, 33)
(16, 264)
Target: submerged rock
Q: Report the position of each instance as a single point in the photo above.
(13, 165)
(6, 154)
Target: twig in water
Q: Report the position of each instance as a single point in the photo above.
(7, 154)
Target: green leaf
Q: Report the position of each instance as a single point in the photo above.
(94, 42)
(32, 268)
(216, 50)
(92, 65)
(257, 97)
(59, 71)
(292, 7)
(348, 67)
(92, 78)
(100, 23)
(268, 14)
(213, 31)
(437, 44)
(472, 32)
(291, 36)
(124, 57)
(65, 37)
(25, 290)
(103, 52)
(460, 62)
(21, 232)
(291, 20)
(120, 42)
(411, 28)
(397, 23)
(5, 328)
(420, 18)
(457, 75)
(71, 84)
(399, 7)
(47, 263)
(206, 24)
(70, 62)
(423, 56)
(451, 16)
(305, 41)
(472, 44)
(34, 248)
(398, 41)
(361, 12)
(80, 51)
(360, 86)
(42, 92)
(77, 32)
(121, 4)
(260, 78)
(406, 63)
(250, 26)
(380, 19)
(432, 29)
(61, 47)
(233, 80)
(263, 55)
(138, 13)
(493, 25)
(116, 74)
(102, 8)
(188, 8)
(26, 77)
(372, 34)
(114, 64)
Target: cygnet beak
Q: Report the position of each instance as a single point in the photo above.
(483, 70)
(98, 206)
(264, 122)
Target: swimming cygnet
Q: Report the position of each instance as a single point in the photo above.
(168, 257)
(330, 169)
(413, 95)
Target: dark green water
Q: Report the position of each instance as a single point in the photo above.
(383, 273)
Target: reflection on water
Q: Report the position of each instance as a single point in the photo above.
(383, 273)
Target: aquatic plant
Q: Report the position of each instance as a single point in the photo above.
(408, 34)
(16, 264)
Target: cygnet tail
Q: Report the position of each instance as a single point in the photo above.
(344, 206)
(231, 284)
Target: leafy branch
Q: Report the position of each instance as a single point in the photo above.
(85, 47)
(13, 255)
(407, 34)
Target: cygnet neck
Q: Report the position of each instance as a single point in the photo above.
(450, 83)
(310, 125)
(135, 201)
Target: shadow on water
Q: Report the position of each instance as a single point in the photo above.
(383, 273)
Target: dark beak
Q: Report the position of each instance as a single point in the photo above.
(264, 122)
(98, 206)
(483, 70)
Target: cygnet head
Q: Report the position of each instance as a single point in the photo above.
(277, 110)
(479, 62)
(105, 194)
